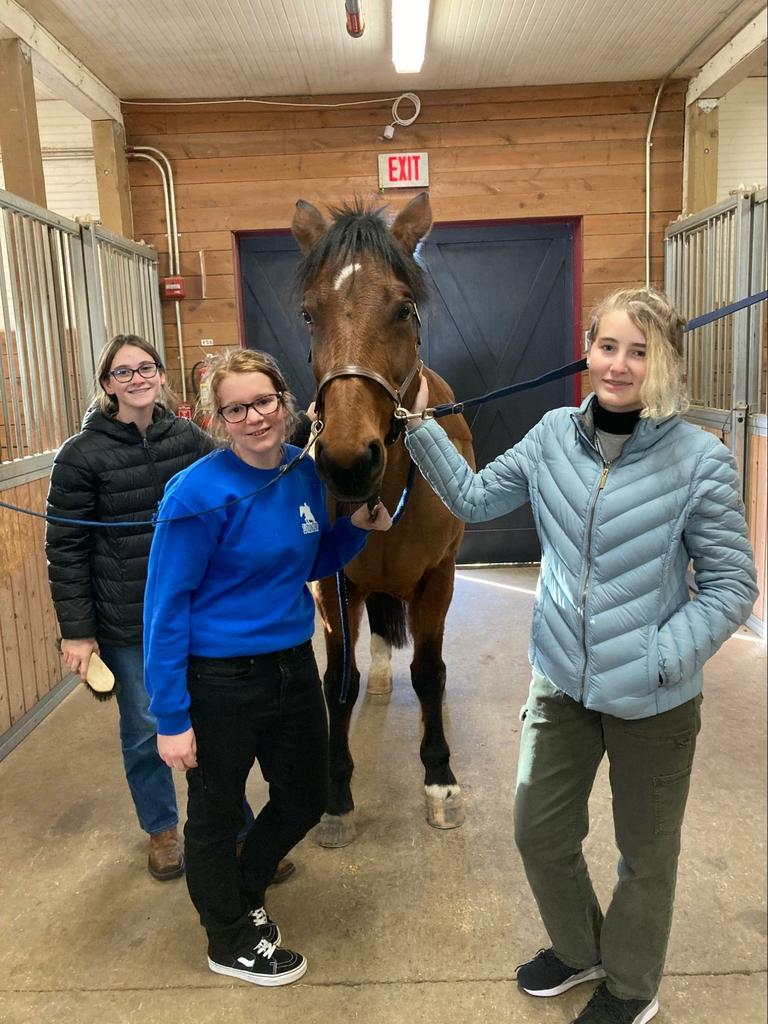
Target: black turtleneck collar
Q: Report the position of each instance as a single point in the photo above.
(614, 422)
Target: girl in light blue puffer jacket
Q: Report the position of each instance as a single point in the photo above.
(624, 494)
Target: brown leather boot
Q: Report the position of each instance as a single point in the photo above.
(166, 859)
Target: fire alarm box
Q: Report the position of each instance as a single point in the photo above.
(172, 288)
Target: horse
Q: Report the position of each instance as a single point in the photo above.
(361, 285)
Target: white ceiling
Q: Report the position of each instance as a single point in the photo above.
(229, 48)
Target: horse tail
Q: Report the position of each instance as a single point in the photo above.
(386, 617)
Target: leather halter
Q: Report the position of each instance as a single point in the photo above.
(396, 394)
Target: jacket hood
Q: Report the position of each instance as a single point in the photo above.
(162, 421)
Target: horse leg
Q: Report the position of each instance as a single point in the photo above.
(427, 611)
(386, 617)
(336, 828)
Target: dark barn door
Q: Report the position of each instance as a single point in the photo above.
(500, 310)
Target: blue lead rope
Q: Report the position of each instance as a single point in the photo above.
(440, 411)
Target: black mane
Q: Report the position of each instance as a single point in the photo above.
(358, 228)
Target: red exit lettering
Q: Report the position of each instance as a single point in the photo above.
(404, 168)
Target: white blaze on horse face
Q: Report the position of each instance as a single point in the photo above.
(344, 273)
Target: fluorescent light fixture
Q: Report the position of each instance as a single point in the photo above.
(409, 34)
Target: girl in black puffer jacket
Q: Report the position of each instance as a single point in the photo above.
(115, 470)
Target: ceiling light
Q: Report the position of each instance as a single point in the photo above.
(409, 34)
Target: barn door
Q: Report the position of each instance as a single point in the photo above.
(500, 310)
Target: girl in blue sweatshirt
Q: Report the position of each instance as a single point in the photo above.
(229, 664)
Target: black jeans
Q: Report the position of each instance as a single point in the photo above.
(269, 708)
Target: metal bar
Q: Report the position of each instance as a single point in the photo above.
(59, 303)
(34, 331)
(22, 333)
(700, 219)
(16, 204)
(50, 382)
(7, 325)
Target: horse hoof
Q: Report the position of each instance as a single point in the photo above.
(445, 806)
(334, 831)
(379, 685)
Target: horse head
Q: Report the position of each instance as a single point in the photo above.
(361, 286)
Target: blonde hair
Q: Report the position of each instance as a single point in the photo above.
(108, 404)
(663, 391)
(245, 360)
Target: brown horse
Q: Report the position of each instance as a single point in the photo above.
(361, 285)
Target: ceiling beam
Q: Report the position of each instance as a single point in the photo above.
(740, 57)
(56, 67)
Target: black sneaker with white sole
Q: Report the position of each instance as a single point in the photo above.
(606, 1008)
(264, 926)
(264, 964)
(547, 975)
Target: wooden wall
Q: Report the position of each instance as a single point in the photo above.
(555, 151)
(29, 662)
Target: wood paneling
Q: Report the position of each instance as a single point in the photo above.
(29, 662)
(495, 154)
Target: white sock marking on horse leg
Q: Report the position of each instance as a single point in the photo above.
(380, 671)
(443, 792)
(344, 273)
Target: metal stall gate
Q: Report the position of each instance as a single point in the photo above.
(714, 258)
(65, 289)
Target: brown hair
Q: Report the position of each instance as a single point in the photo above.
(108, 403)
(246, 360)
(663, 391)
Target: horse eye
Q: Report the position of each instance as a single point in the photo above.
(405, 311)
(306, 317)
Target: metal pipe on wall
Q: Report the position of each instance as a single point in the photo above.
(137, 152)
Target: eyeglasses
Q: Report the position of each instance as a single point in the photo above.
(124, 374)
(265, 405)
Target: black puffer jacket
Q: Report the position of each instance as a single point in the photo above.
(109, 472)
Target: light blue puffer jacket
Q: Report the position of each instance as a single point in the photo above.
(613, 622)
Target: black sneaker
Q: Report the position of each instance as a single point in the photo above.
(547, 975)
(264, 926)
(265, 964)
(605, 1008)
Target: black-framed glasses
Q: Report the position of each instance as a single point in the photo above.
(124, 374)
(265, 405)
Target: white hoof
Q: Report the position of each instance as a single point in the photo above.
(445, 806)
(334, 830)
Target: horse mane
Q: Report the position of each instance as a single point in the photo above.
(360, 227)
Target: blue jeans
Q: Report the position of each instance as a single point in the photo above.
(150, 780)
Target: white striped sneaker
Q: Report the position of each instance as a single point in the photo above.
(264, 964)
(264, 926)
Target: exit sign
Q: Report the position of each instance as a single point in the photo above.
(403, 170)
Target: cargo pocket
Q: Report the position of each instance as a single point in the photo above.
(670, 795)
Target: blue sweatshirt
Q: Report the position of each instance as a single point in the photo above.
(232, 582)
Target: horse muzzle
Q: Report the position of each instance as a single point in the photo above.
(354, 478)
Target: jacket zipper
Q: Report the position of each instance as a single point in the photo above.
(153, 471)
(585, 588)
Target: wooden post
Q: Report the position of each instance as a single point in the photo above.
(19, 134)
(702, 157)
(112, 177)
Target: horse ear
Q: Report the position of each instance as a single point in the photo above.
(308, 225)
(413, 222)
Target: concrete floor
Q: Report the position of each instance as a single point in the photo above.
(406, 925)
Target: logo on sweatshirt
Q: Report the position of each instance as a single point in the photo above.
(308, 522)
